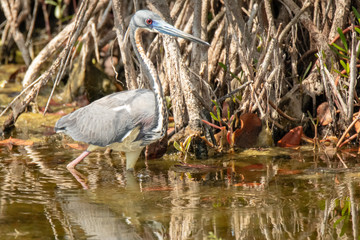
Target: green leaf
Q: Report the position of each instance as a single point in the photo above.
(337, 52)
(234, 76)
(338, 47)
(343, 64)
(356, 13)
(188, 144)
(338, 72)
(339, 221)
(345, 208)
(217, 110)
(67, 18)
(223, 66)
(311, 118)
(345, 225)
(213, 116)
(177, 146)
(218, 113)
(50, 2)
(357, 29)
(58, 12)
(307, 70)
(343, 39)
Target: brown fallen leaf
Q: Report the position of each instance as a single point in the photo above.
(292, 138)
(323, 113)
(77, 146)
(10, 142)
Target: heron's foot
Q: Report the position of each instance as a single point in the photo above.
(80, 178)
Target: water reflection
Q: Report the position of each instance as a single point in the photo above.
(274, 194)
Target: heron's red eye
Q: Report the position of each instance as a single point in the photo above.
(149, 21)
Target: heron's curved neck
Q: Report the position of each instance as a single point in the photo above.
(150, 72)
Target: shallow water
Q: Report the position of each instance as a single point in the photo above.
(253, 194)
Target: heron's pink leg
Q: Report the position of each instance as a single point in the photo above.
(77, 160)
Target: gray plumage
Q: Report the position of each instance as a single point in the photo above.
(111, 118)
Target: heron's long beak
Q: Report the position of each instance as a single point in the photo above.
(165, 28)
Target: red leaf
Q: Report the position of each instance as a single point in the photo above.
(292, 138)
(248, 134)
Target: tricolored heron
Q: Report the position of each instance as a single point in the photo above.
(126, 121)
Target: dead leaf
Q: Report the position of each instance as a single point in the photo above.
(10, 142)
(77, 146)
(292, 138)
(323, 113)
(247, 135)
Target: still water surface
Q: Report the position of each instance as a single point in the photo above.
(254, 194)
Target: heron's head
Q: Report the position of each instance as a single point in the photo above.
(150, 21)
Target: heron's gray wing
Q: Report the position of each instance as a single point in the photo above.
(110, 118)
